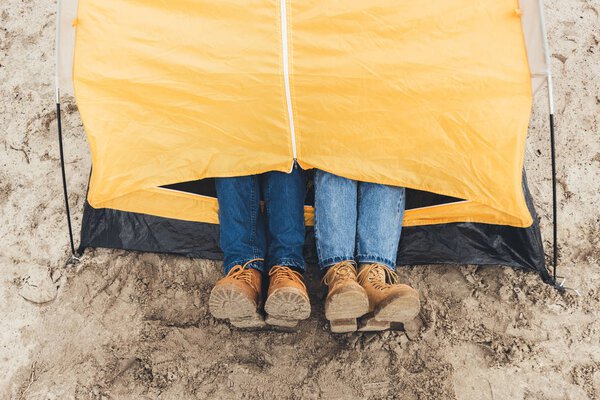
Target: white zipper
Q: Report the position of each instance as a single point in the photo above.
(286, 77)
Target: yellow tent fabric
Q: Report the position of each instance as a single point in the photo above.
(433, 96)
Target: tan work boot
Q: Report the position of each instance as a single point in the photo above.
(389, 301)
(238, 297)
(346, 299)
(287, 299)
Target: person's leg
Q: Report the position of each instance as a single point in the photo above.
(242, 231)
(335, 230)
(380, 215)
(238, 296)
(284, 195)
(335, 218)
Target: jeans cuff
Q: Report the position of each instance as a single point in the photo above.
(258, 265)
(331, 261)
(368, 259)
(293, 263)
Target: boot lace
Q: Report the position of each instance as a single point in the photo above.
(339, 272)
(280, 272)
(379, 276)
(243, 273)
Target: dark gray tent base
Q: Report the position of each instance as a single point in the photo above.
(453, 243)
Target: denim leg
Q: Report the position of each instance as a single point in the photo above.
(242, 230)
(335, 218)
(284, 195)
(380, 214)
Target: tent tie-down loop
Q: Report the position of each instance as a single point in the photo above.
(561, 286)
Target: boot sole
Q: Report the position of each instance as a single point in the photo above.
(226, 302)
(342, 310)
(368, 323)
(286, 306)
(343, 325)
(346, 305)
(399, 309)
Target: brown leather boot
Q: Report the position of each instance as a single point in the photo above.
(287, 299)
(389, 301)
(238, 297)
(346, 299)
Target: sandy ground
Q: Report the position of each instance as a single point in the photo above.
(136, 326)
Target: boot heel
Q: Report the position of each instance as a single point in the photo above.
(343, 325)
(368, 323)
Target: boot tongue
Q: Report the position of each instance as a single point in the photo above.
(375, 274)
(379, 273)
(346, 272)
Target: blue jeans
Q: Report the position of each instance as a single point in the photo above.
(275, 236)
(358, 221)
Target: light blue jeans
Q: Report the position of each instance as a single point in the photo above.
(357, 221)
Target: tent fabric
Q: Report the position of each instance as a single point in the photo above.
(531, 14)
(535, 40)
(65, 45)
(453, 243)
(434, 97)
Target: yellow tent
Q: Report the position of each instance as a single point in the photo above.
(434, 96)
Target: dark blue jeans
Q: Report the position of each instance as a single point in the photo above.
(275, 236)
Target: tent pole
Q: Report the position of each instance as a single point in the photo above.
(60, 137)
(64, 178)
(554, 202)
(554, 207)
(552, 141)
